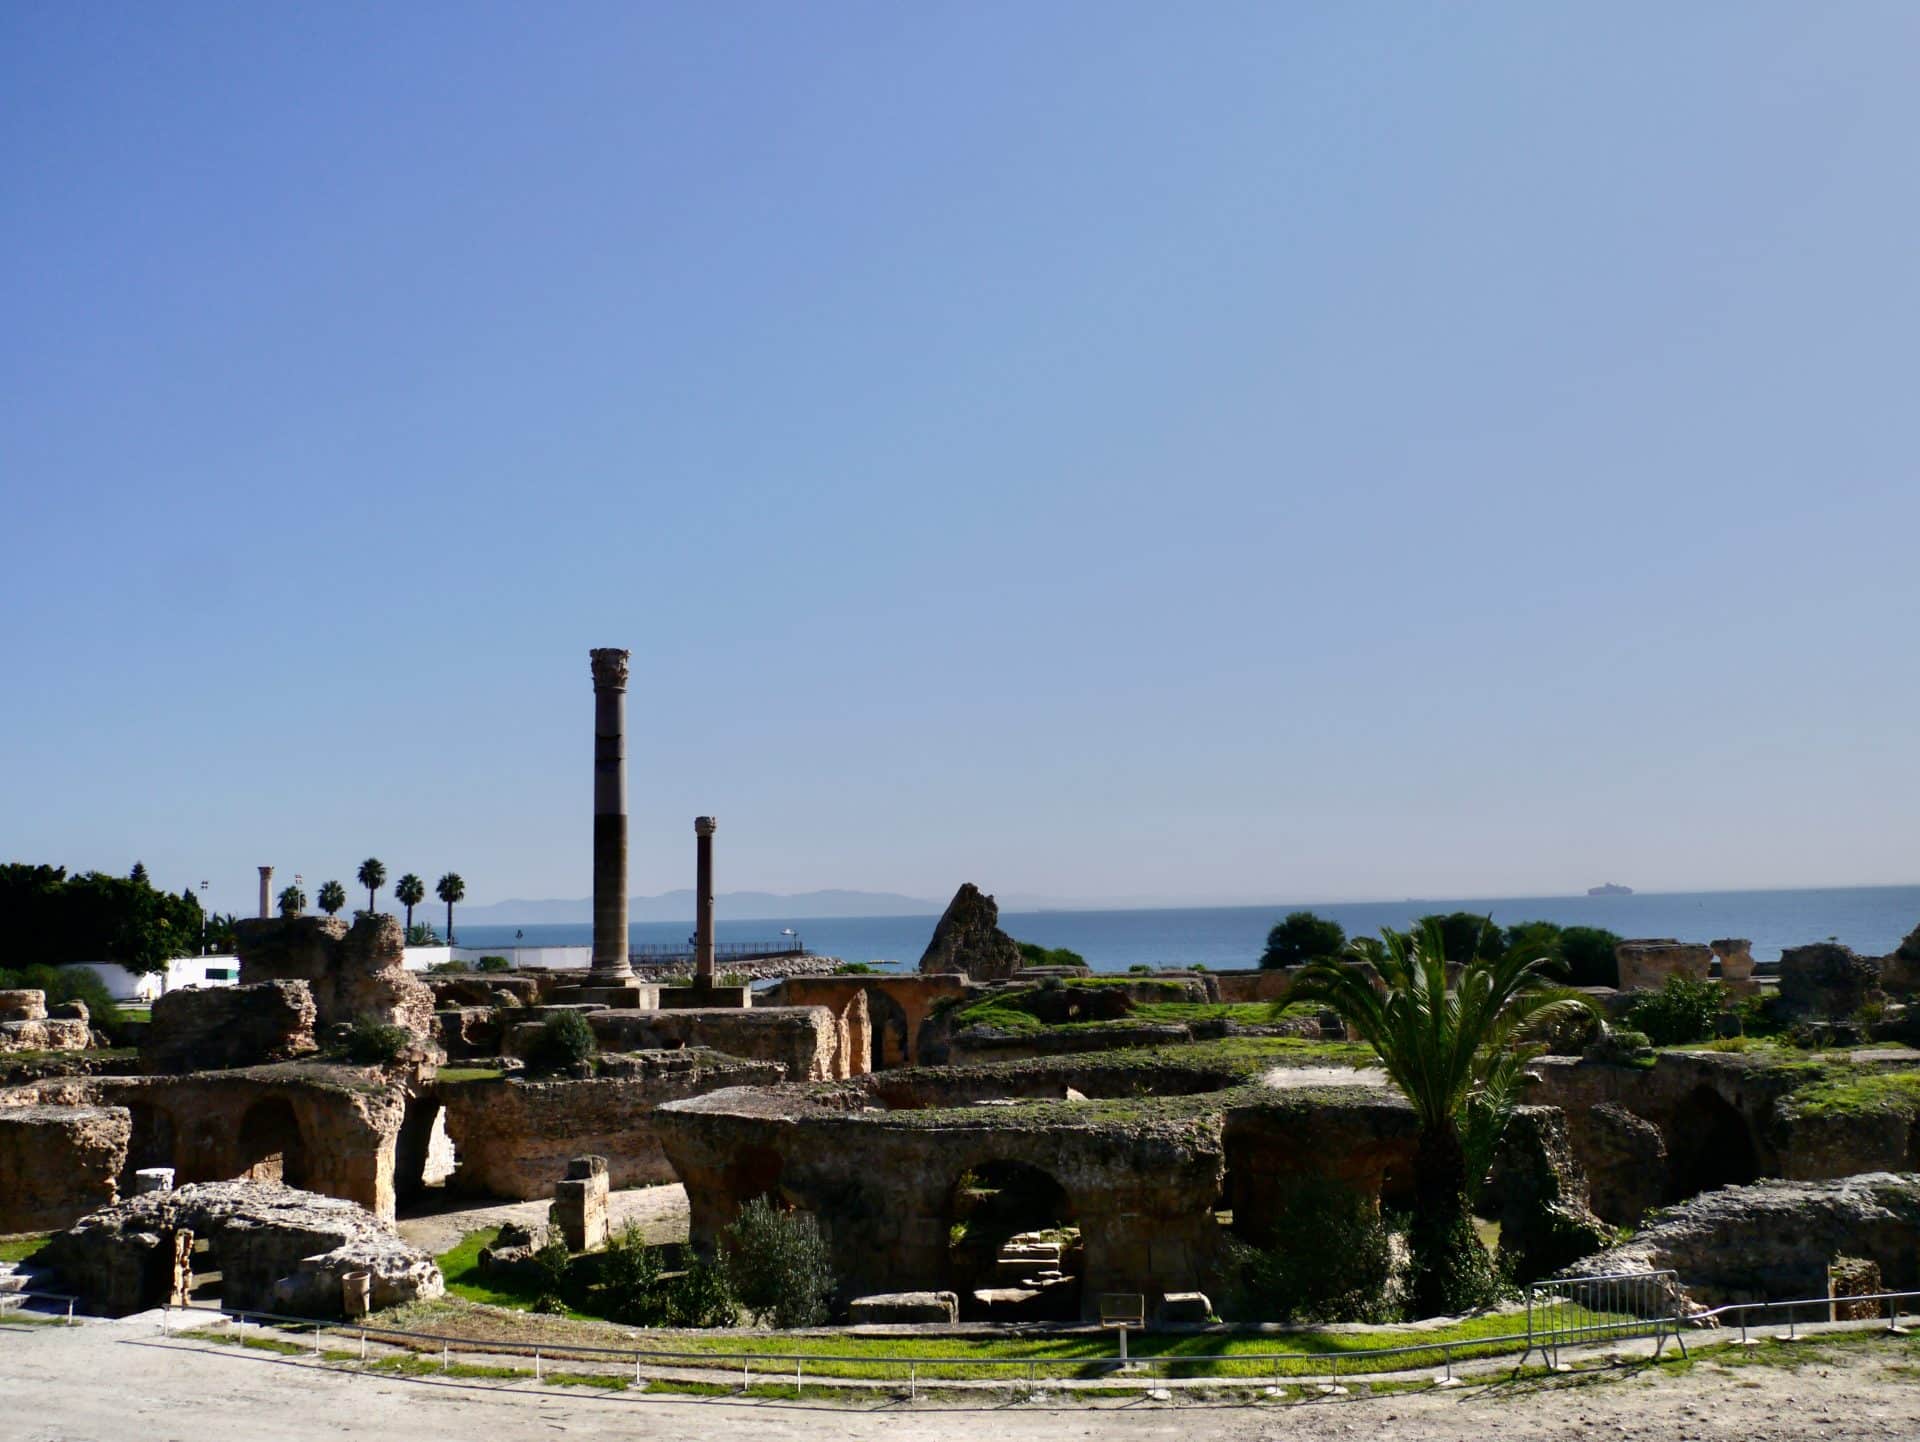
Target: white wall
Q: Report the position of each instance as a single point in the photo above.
(125, 985)
(541, 958)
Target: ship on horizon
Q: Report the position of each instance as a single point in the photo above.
(1609, 888)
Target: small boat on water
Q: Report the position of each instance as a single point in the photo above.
(1610, 888)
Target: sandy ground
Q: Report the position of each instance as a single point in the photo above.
(660, 1211)
(104, 1382)
(1284, 1078)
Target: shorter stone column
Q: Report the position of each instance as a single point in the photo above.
(703, 829)
(266, 891)
(580, 1204)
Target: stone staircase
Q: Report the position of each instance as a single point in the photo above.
(18, 1279)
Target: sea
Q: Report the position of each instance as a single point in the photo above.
(1870, 919)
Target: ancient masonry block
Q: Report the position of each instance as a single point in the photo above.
(580, 1204)
(898, 1307)
(1646, 965)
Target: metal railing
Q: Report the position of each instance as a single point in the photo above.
(1321, 1371)
(1574, 1311)
(59, 1299)
(1563, 1319)
(654, 951)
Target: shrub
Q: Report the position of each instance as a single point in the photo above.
(553, 1264)
(630, 1275)
(778, 1266)
(1683, 1010)
(494, 963)
(1619, 1045)
(855, 968)
(448, 968)
(372, 1042)
(1036, 955)
(1303, 937)
(421, 933)
(702, 1296)
(1330, 1259)
(1467, 935)
(563, 1042)
(1588, 954)
(1140, 968)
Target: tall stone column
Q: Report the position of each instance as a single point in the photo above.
(266, 891)
(703, 827)
(611, 963)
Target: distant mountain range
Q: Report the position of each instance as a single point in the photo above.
(730, 905)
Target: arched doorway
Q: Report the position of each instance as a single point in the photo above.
(887, 1040)
(271, 1146)
(1014, 1247)
(1711, 1145)
(423, 1152)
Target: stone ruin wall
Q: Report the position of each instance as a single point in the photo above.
(332, 1130)
(353, 972)
(27, 1025)
(515, 1138)
(804, 1040)
(57, 1163)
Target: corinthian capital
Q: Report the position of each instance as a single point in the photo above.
(609, 668)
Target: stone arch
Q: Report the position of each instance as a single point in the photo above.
(890, 1040)
(423, 1154)
(991, 1202)
(272, 1147)
(1710, 1145)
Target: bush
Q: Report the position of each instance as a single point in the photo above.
(372, 1042)
(1588, 954)
(448, 968)
(1467, 935)
(554, 1264)
(1140, 968)
(1682, 1011)
(855, 968)
(1036, 955)
(778, 1266)
(1330, 1259)
(630, 1275)
(1303, 937)
(495, 963)
(63, 984)
(1619, 1045)
(564, 1042)
(702, 1296)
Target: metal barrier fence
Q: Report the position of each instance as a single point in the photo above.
(1569, 1315)
(1572, 1311)
(59, 1299)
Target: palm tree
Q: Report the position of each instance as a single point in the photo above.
(409, 891)
(1456, 1053)
(293, 901)
(332, 897)
(373, 876)
(450, 889)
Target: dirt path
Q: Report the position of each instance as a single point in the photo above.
(104, 1382)
(660, 1211)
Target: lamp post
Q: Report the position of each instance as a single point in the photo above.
(203, 918)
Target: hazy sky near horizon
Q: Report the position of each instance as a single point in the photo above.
(1098, 450)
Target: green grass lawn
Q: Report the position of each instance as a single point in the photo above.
(863, 1355)
(21, 1249)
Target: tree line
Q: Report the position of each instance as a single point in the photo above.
(1585, 953)
(409, 891)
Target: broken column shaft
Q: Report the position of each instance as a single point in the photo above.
(703, 827)
(611, 962)
(266, 891)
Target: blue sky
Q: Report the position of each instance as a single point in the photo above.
(1104, 450)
